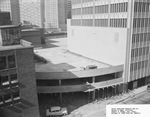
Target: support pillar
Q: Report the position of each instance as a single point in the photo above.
(93, 95)
(98, 93)
(60, 93)
(89, 99)
(146, 81)
(115, 91)
(102, 93)
(61, 98)
(106, 92)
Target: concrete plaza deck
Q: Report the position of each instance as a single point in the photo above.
(60, 59)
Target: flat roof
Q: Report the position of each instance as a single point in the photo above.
(60, 59)
(10, 47)
(9, 26)
(19, 46)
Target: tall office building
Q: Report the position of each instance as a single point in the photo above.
(18, 94)
(68, 9)
(55, 14)
(114, 32)
(11, 6)
(32, 12)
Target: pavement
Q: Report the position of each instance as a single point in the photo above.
(98, 107)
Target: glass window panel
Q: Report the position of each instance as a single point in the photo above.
(11, 61)
(3, 64)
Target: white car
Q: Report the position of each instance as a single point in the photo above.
(56, 111)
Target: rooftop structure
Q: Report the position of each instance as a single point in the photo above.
(5, 18)
(11, 6)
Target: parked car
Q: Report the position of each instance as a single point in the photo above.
(56, 111)
(91, 67)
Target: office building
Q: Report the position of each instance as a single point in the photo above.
(5, 18)
(32, 12)
(18, 95)
(68, 9)
(55, 14)
(11, 6)
(114, 32)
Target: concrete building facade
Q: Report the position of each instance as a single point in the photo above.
(55, 14)
(11, 6)
(5, 18)
(18, 95)
(31, 12)
(114, 32)
(68, 9)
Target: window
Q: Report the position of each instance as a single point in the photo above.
(3, 64)
(13, 77)
(11, 61)
(16, 96)
(13, 80)
(4, 80)
(120, 23)
(7, 98)
(1, 100)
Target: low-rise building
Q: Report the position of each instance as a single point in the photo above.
(18, 95)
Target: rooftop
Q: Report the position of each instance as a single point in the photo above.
(9, 26)
(23, 44)
(60, 59)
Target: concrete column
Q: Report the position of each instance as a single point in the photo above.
(59, 82)
(93, 95)
(106, 92)
(115, 91)
(146, 81)
(61, 98)
(98, 93)
(112, 93)
(60, 93)
(102, 93)
(89, 97)
(125, 88)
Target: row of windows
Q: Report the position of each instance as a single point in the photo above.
(119, 7)
(141, 38)
(141, 22)
(83, 1)
(8, 81)
(101, 9)
(138, 65)
(101, 22)
(11, 98)
(138, 52)
(141, 7)
(76, 11)
(122, 23)
(76, 1)
(87, 22)
(11, 36)
(7, 62)
(87, 10)
(76, 22)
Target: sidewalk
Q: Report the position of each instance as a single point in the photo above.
(98, 107)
